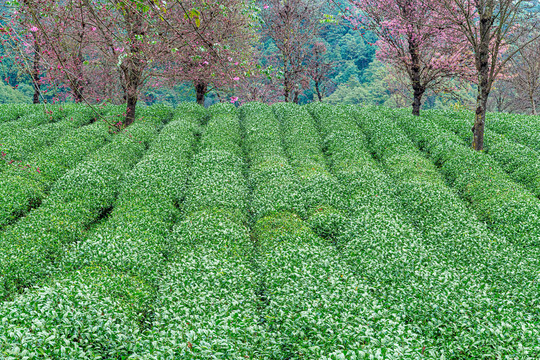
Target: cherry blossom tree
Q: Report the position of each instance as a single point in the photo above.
(415, 40)
(99, 48)
(224, 50)
(292, 25)
(492, 30)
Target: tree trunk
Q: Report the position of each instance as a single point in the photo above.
(417, 102)
(79, 81)
(35, 74)
(533, 105)
(416, 79)
(133, 67)
(482, 67)
(133, 74)
(132, 99)
(201, 89)
(286, 79)
(479, 123)
(319, 95)
(286, 89)
(296, 97)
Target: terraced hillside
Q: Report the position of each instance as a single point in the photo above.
(268, 232)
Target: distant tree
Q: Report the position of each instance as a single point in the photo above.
(525, 75)
(9, 95)
(492, 30)
(119, 42)
(319, 69)
(372, 92)
(415, 41)
(293, 26)
(502, 97)
(23, 44)
(347, 70)
(225, 48)
(261, 84)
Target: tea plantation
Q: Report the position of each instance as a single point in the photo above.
(268, 232)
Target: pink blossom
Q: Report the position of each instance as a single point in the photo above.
(234, 99)
(236, 78)
(266, 7)
(34, 29)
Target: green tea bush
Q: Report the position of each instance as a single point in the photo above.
(19, 145)
(122, 259)
(262, 138)
(77, 200)
(316, 306)
(504, 205)
(275, 185)
(21, 189)
(292, 233)
(304, 282)
(160, 113)
(390, 258)
(205, 306)
(302, 145)
(217, 182)
(41, 115)
(523, 129)
(520, 161)
(327, 222)
(11, 112)
(133, 237)
(350, 161)
(223, 135)
(464, 246)
(70, 319)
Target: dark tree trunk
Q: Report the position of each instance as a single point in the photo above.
(132, 99)
(417, 101)
(134, 67)
(286, 90)
(133, 75)
(78, 94)
(296, 97)
(482, 66)
(35, 74)
(286, 79)
(317, 87)
(416, 79)
(201, 90)
(79, 81)
(479, 122)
